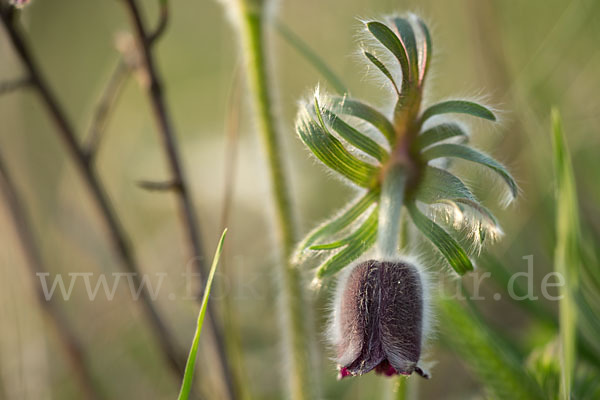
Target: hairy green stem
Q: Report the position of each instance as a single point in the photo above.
(252, 31)
(390, 207)
(401, 388)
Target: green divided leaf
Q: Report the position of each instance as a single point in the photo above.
(459, 107)
(437, 184)
(437, 134)
(407, 36)
(470, 154)
(481, 209)
(344, 105)
(356, 244)
(567, 259)
(426, 51)
(347, 217)
(450, 249)
(188, 376)
(495, 364)
(332, 153)
(392, 42)
(383, 70)
(355, 138)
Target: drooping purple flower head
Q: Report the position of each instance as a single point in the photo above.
(378, 319)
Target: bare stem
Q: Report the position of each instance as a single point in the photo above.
(169, 141)
(90, 177)
(66, 335)
(295, 332)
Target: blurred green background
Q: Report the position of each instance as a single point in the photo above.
(523, 56)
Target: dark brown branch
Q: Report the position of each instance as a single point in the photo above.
(93, 183)
(114, 87)
(65, 333)
(164, 186)
(13, 85)
(186, 206)
(162, 23)
(105, 106)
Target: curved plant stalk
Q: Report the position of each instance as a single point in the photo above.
(252, 20)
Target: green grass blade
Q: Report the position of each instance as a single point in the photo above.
(496, 365)
(459, 107)
(347, 217)
(437, 134)
(356, 138)
(359, 242)
(566, 257)
(313, 58)
(450, 249)
(344, 105)
(392, 42)
(470, 154)
(188, 376)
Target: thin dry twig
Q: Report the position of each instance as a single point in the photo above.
(113, 89)
(163, 186)
(185, 203)
(106, 104)
(116, 233)
(14, 85)
(65, 333)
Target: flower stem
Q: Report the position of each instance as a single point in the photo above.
(252, 31)
(390, 207)
(401, 388)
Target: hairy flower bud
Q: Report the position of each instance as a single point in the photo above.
(378, 319)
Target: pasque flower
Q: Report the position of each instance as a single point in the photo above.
(378, 319)
(400, 159)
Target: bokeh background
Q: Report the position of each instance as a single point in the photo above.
(521, 56)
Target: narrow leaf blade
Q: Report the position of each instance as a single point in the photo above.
(355, 138)
(407, 37)
(349, 215)
(332, 153)
(450, 249)
(437, 134)
(313, 58)
(188, 376)
(426, 51)
(566, 254)
(470, 154)
(459, 107)
(375, 61)
(390, 41)
(359, 242)
(494, 363)
(438, 184)
(344, 105)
